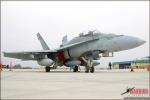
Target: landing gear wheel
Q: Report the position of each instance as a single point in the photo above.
(92, 69)
(47, 69)
(75, 69)
(87, 70)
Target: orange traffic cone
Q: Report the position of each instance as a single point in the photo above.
(10, 67)
(0, 67)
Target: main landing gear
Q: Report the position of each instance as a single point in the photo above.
(47, 69)
(75, 69)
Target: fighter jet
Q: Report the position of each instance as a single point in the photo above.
(82, 50)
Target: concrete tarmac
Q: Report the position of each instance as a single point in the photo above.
(58, 84)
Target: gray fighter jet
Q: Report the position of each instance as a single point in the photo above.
(80, 51)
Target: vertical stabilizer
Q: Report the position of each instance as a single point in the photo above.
(43, 43)
(64, 40)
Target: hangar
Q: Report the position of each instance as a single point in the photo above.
(141, 64)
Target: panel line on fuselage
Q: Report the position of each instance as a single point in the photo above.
(68, 53)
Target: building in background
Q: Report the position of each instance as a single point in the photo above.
(138, 63)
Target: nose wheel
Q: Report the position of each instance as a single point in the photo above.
(86, 70)
(89, 65)
(92, 69)
(89, 69)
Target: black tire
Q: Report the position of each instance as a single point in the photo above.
(47, 69)
(87, 70)
(75, 69)
(92, 69)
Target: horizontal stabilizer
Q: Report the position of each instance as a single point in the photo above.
(28, 55)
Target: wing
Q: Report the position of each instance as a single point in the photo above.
(29, 55)
(35, 55)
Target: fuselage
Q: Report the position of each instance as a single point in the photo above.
(106, 42)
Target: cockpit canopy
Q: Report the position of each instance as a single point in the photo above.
(89, 33)
(97, 33)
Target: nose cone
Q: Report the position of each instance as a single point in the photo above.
(134, 42)
(128, 42)
(140, 42)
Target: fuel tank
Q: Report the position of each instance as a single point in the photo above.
(73, 62)
(45, 62)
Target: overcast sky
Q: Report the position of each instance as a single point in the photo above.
(20, 21)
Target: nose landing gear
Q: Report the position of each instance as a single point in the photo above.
(92, 69)
(89, 65)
